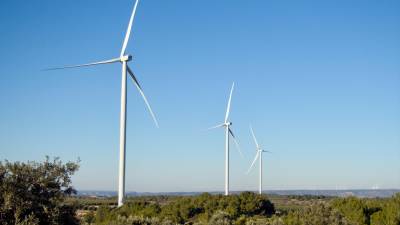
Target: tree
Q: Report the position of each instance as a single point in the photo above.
(355, 210)
(254, 204)
(34, 193)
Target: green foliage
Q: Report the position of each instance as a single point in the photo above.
(262, 221)
(103, 214)
(251, 209)
(252, 204)
(181, 210)
(220, 218)
(202, 209)
(319, 213)
(137, 220)
(89, 218)
(390, 213)
(356, 210)
(34, 193)
(140, 208)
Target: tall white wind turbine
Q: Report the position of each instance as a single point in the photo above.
(259, 152)
(228, 132)
(123, 59)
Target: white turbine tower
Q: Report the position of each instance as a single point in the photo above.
(228, 131)
(259, 152)
(123, 59)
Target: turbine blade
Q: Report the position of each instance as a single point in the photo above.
(220, 125)
(236, 143)
(128, 31)
(228, 108)
(266, 151)
(136, 82)
(252, 164)
(86, 64)
(254, 137)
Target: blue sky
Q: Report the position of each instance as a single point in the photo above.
(319, 81)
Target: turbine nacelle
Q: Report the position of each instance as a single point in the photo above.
(259, 151)
(227, 124)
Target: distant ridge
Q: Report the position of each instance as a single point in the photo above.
(363, 193)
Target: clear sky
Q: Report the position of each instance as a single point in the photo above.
(318, 80)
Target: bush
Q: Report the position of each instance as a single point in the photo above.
(390, 214)
(318, 213)
(34, 193)
(220, 218)
(356, 210)
(202, 209)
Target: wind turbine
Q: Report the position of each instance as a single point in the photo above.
(228, 132)
(124, 59)
(258, 155)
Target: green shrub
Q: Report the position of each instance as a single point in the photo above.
(34, 193)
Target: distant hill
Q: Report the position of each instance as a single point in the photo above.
(363, 193)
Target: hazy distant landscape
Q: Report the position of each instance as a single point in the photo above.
(362, 193)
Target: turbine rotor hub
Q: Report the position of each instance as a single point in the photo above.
(126, 58)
